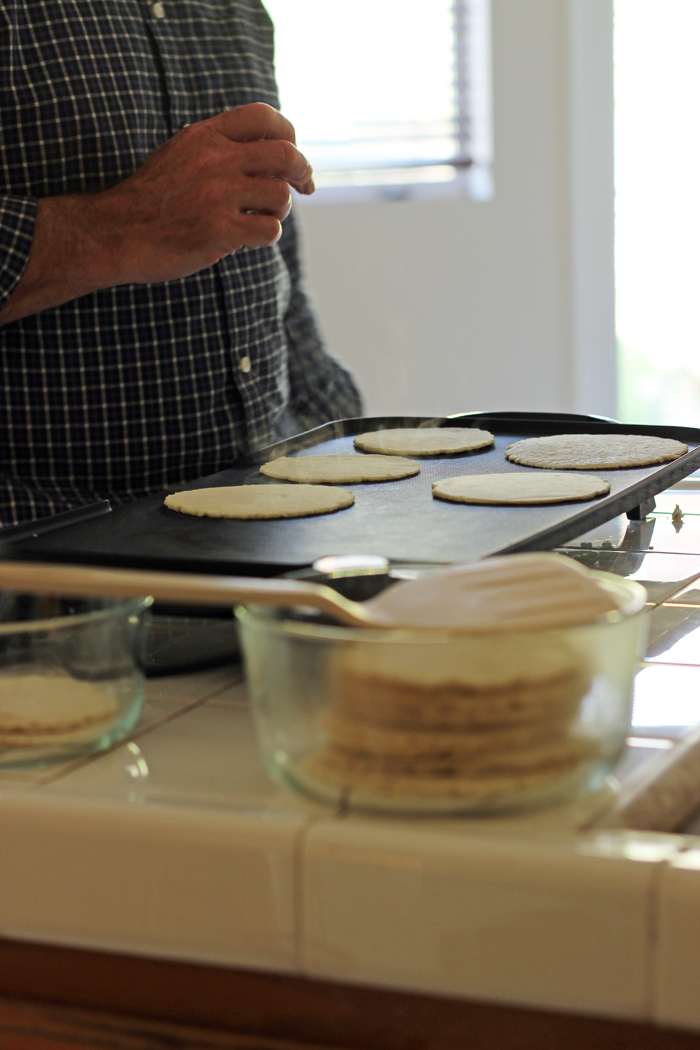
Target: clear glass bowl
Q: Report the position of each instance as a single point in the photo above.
(441, 722)
(71, 678)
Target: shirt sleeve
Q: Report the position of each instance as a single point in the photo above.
(320, 389)
(17, 215)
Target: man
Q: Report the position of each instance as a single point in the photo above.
(153, 322)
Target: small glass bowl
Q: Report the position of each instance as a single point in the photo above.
(432, 721)
(71, 678)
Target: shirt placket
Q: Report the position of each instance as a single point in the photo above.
(257, 388)
(182, 109)
(181, 105)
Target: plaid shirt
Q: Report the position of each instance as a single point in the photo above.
(132, 389)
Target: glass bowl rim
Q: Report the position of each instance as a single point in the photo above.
(633, 605)
(117, 610)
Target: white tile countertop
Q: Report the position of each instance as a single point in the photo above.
(177, 845)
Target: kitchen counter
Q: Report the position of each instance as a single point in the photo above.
(176, 846)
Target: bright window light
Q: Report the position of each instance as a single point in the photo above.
(657, 161)
(387, 92)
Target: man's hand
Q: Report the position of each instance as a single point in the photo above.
(212, 188)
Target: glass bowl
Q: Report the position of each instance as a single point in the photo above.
(414, 721)
(71, 679)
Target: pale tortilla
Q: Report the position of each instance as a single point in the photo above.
(423, 441)
(474, 664)
(33, 704)
(522, 745)
(594, 451)
(518, 489)
(451, 762)
(362, 776)
(377, 701)
(56, 738)
(333, 470)
(260, 501)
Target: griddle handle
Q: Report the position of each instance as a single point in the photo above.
(29, 530)
(640, 512)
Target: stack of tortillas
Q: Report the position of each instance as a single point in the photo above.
(481, 720)
(39, 710)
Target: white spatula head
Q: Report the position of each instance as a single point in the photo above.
(514, 592)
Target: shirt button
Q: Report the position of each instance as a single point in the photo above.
(244, 364)
(158, 10)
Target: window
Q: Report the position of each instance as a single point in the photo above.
(388, 94)
(657, 100)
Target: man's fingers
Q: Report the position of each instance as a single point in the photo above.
(268, 141)
(307, 187)
(278, 160)
(253, 122)
(212, 188)
(257, 231)
(268, 196)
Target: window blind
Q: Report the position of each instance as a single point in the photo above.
(385, 91)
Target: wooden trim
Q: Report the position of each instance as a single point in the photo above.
(37, 1026)
(293, 1009)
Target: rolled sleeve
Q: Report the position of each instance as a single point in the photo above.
(17, 215)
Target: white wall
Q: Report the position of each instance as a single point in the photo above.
(451, 305)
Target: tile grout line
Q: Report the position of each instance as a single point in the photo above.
(223, 688)
(135, 734)
(208, 696)
(298, 895)
(298, 876)
(653, 927)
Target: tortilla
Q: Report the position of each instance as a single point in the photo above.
(521, 745)
(363, 777)
(383, 702)
(340, 468)
(34, 706)
(56, 738)
(423, 441)
(475, 664)
(594, 451)
(260, 501)
(520, 489)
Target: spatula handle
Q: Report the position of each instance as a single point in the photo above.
(172, 587)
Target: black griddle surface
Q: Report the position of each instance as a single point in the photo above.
(398, 519)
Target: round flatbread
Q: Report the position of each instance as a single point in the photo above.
(56, 738)
(474, 664)
(423, 441)
(594, 451)
(339, 469)
(33, 704)
(376, 701)
(519, 489)
(519, 744)
(260, 501)
(364, 778)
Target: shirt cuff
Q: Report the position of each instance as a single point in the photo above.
(17, 215)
